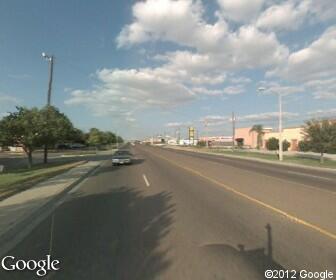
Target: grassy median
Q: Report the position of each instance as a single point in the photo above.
(14, 181)
(296, 159)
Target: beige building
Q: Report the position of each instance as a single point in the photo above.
(293, 135)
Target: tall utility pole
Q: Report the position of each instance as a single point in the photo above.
(50, 59)
(233, 130)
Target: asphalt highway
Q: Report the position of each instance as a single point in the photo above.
(181, 215)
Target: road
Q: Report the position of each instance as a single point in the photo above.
(180, 215)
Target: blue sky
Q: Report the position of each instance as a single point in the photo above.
(145, 67)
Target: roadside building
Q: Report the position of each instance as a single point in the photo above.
(218, 141)
(249, 137)
(293, 135)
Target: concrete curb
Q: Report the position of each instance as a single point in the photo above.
(325, 169)
(26, 224)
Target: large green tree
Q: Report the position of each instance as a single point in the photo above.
(259, 129)
(56, 126)
(31, 128)
(97, 137)
(320, 136)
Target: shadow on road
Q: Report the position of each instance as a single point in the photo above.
(114, 234)
(239, 263)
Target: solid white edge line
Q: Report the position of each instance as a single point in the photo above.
(146, 181)
(309, 175)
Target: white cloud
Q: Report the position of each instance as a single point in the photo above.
(267, 116)
(323, 113)
(210, 92)
(232, 90)
(276, 88)
(323, 89)
(240, 10)
(313, 62)
(167, 20)
(238, 80)
(216, 120)
(323, 10)
(288, 15)
(120, 92)
(178, 124)
(182, 22)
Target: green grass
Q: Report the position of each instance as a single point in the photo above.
(14, 181)
(314, 162)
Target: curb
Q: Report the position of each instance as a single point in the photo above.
(22, 228)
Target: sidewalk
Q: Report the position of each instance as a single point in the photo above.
(18, 211)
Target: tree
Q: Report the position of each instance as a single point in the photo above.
(77, 136)
(56, 126)
(28, 128)
(258, 128)
(320, 136)
(95, 138)
(303, 146)
(22, 128)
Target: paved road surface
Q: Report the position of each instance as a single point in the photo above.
(176, 215)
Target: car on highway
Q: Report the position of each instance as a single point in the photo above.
(122, 157)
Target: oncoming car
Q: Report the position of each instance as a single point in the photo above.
(122, 157)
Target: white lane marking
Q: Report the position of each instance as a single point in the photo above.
(51, 233)
(309, 175)
(146, 181)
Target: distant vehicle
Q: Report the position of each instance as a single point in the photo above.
(122, 157)
(77, 146)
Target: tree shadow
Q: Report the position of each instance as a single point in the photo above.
(115, 234)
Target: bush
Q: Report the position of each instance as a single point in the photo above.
(201, 143)
(273, 144)
(240, 142)
(285, 145)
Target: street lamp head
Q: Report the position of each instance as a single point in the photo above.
(44, 55)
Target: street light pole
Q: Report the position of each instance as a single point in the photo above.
(233, 130)
(51, 72)
(206, 134)
(280, 128)
(50, 59)
(280, 123)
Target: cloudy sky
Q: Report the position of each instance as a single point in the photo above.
(146, 67)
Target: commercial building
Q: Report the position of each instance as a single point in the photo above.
(215, 141)
(293, 135)
(250, 137)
